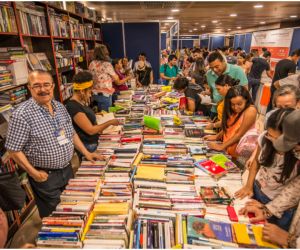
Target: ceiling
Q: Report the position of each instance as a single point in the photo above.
(193, 15)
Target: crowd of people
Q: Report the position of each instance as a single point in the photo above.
(222, 84)
(231, 78)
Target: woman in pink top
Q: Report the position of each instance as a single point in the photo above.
(103, 75)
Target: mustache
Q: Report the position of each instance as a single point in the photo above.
(43, 93)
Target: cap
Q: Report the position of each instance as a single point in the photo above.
(291, 134)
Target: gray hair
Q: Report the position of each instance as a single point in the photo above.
(39, 72)
(286, 90)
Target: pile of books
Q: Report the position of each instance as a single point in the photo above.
(76, 29)
(7, 17)
(32, 18)
(89, 169)
(13, 96)
(59, 23)
(88, 31)
(64, 58)
(6, 78)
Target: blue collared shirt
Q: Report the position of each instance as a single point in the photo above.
(32, 130)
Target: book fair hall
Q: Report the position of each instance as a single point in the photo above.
(149, 125)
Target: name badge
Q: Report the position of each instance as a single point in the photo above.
(61, 137)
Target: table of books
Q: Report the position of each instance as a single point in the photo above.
(160, 187)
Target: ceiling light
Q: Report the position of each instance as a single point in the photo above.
(239, 27)
(195, 29)
(203, 26)
(262, 22)
(228, 29)
(214, 21)
(175, 10)
(233, 15)
(293, 16)
(190, 31)
(170, 17)
(108, 18)
(91, 8)
(258, 6)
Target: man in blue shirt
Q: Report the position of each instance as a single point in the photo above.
(169, 71)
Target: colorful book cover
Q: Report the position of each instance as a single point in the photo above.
(199, 228)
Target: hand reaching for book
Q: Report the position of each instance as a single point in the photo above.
(95, 157)
(210, 137)
(39, 176)
(215, 146)
(275, 234)
(244, 192)
(256, 211)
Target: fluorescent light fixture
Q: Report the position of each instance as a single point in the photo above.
(293, 16)
(91, 8)
(228, 29)
(175, 10)
(108, 18)
(239, 27)
(233, 15)
(262, 22)
(170, 18)
(214, 21)
(195, 29)
(258, 6)
(203, 26)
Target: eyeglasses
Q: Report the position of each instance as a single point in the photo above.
(46, 85)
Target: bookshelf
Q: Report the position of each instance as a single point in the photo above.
(40, 27)
(57, 26)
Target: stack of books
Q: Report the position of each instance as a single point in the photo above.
(32, 18)
(76, 29)
(89, 169)
(108, 226)
(59, 23)
(14, 96)
(7, 17)
(88, 31)
(6, 78)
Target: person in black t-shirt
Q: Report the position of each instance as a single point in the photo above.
(259, 65)
(284, 68)
(83, 117)
(182, 85)
(144, 74)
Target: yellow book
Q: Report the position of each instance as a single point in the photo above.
(151, 173)
(111, 208)
(184, 231)
(257, 230)
(199, 157)
(138, 159)
(241, 233)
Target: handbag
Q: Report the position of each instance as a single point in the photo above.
(12, 195)
(247, 143)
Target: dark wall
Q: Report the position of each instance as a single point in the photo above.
(186, 43)
(113, 37)
(204, 43)
(143, 37)
(217, 42)
(163, 41)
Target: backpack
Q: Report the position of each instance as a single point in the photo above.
(247, 143)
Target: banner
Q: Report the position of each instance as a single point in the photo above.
(278, 42)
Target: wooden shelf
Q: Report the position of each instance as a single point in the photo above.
(27, 211)
(9, 33)
(65, 69)
(37, 36)
(61, 37)
(90, 40)
(11, 87)
(12, 229)
(81, 39)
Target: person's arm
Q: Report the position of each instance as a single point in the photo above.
(247, 190)
(81, 148)
(3, 229)
(269, 74)
(85, 124)
(118, 81)
(162, 75)
(22, 161)
(151, 77)
(248, 121)
(191, 104)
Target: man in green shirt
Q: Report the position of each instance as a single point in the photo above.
(218, 66)
(169, 71)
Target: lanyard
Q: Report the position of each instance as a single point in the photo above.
(54, 120)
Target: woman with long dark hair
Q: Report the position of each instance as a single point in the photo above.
(239, 116)
(223, 84)
(271, 169)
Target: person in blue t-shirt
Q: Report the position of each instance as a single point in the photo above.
(169, 71)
